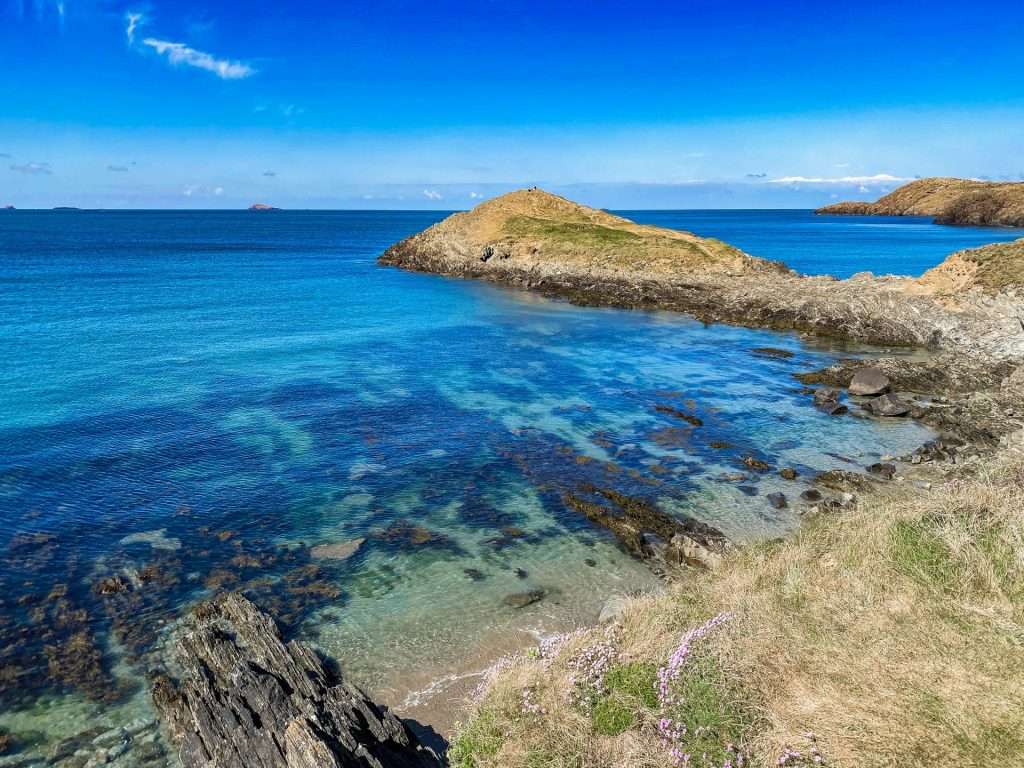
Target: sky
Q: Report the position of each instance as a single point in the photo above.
(438, 104)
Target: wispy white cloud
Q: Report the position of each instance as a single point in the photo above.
(432, 194)
(475, 196)
(878, 178)
(270, 174)
(757, 175)
(132, 22)
(33, 169)
(179, 53)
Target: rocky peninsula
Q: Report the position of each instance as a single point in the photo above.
(948, 201)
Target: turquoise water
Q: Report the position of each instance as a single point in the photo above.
(191, 401)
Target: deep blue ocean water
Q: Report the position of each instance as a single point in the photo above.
(190, 400)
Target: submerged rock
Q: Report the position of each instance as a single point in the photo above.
(788, 473)
(756, 464)
(341, 550)
(523, 599)
(679, 414)
(772, 352)
(246, 698)
(777, 500)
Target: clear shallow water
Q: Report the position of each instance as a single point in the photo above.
(833, 245)
(188, 400)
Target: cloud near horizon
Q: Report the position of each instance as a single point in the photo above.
(33, 169)
(878, 178)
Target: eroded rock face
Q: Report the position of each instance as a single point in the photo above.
(246, 699)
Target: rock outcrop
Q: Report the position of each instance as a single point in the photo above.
(246, 699)
(542, 242)
(948, 201)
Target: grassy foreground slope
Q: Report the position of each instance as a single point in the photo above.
(888, 635)
(949, 201)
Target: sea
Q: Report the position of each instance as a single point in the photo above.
(201, 401)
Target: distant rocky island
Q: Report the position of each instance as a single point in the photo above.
(948, 201)
(8, 207)
(262, 207)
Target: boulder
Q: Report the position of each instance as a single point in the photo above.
(613, 608)
(887, 405)
(869, 381)
(886, 470)
(811, 495)
(686, 549)
(777, 500)
(245, 698)
(788, 473)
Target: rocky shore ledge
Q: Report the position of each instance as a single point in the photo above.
(244, 699)
(948, 201)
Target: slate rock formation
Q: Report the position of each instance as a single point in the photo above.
(247, 699)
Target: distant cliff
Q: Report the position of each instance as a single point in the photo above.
(948, 201)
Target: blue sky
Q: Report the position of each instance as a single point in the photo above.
(392, 104)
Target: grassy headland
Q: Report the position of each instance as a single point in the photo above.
(948, 201)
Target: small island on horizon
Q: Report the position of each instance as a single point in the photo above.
(262, 207)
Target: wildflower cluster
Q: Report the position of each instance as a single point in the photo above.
(530, 705)
(812, 757)
(674, 733)
(670, 672)
(587, 670)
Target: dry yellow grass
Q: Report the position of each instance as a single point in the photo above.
(894, 633)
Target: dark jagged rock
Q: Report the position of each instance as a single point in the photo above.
(811, 495)
(777, 500)
(649, 533)
(887, 405)
(247, 699)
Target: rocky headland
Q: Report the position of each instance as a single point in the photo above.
(535, 240)
(948, 201)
